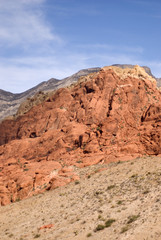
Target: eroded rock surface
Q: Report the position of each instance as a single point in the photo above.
(10, 102)
(107, 116)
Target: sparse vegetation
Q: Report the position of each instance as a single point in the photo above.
(99, 227)
(132, 218)
(77, 182)
(110, 187)
(125, 229)
(17, 199)
(146, 191)
(119, 202)
(76, 233)
(79, 161)
(97, 193)
(134, 175)
(99, 205)
(109, 222)
(26, 169)
(11, 235)
(89, 234)
(120, 100)
(37, 235)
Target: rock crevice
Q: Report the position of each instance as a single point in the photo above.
(108, 116)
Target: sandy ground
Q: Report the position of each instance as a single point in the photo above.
(121, 202)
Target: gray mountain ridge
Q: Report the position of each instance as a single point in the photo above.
(10, 102)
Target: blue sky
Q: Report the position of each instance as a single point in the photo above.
(41, 39)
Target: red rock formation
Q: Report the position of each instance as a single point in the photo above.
(103, 119)
(46, 226)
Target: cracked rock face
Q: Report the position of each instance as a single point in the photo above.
(10, 102)
(105, 117)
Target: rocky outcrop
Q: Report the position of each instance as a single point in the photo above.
(124, 66)
(107, 116)
(37, 99)
(9, 102)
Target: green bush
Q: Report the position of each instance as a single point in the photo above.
(109, 222)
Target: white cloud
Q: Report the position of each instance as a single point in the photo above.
(21, 73)
(25, 35)
(22, 24)
(40, 54)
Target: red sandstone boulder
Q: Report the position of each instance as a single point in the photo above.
(46, 226)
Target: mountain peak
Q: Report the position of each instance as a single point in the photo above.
(124, 71)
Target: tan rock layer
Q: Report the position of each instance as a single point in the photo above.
(136, 72)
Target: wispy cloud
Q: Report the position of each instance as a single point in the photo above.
(22, 24)
(32, 51)
(76, 8)
(26, 36)
(23, 73)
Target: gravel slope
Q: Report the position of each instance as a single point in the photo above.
(124, 200)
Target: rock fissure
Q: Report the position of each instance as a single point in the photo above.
(145, 114)
(110, 103)
(105, 119)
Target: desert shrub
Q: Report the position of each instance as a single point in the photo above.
(109, 222)
(132, 218)
(99, 227)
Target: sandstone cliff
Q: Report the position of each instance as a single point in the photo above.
(107, 116)
(9, 102)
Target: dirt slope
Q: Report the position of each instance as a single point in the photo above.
(126, 195)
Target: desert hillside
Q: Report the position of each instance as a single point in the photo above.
(119, 200)
(83, 162)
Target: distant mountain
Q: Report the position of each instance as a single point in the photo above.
(158, 82)
(10, 102)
